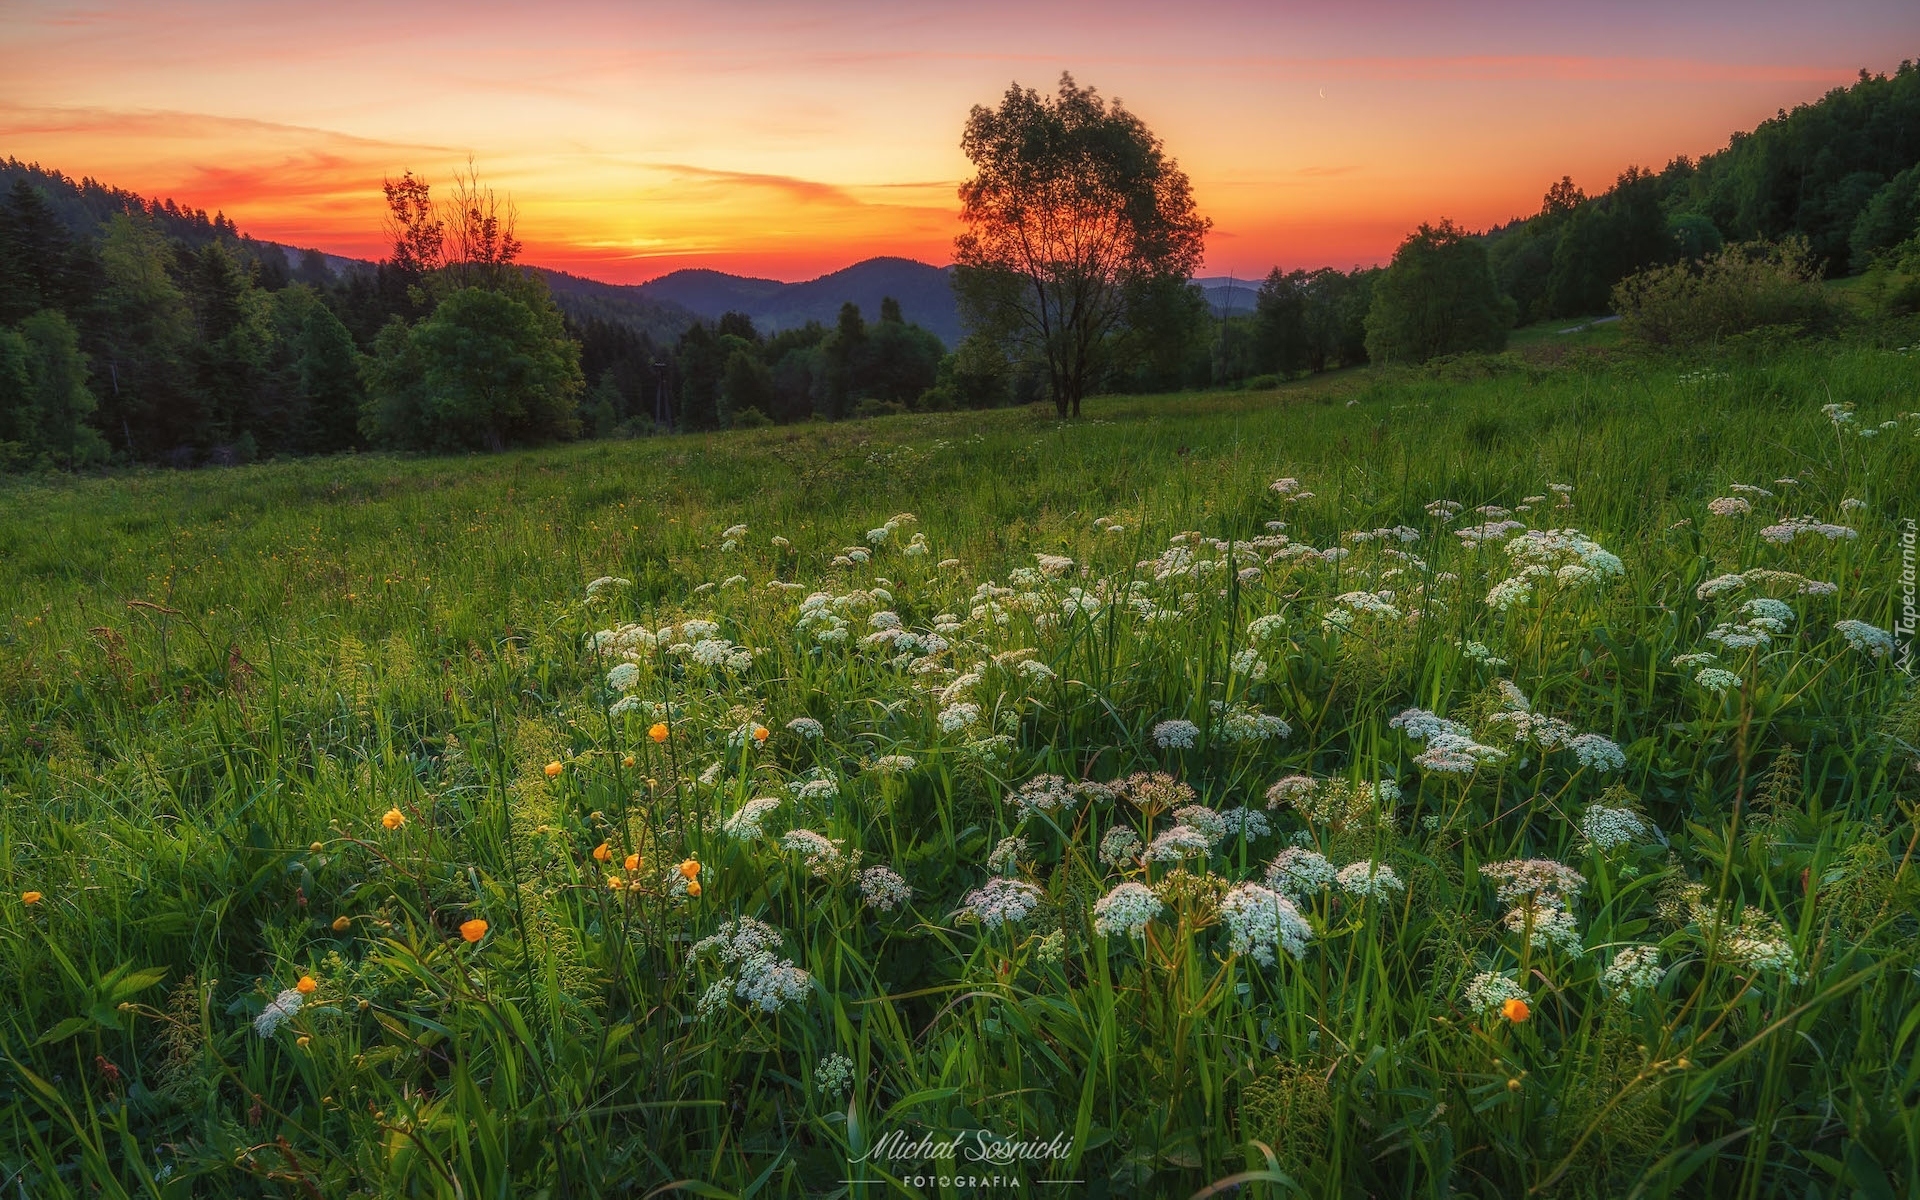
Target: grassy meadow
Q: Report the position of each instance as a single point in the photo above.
(1492, 779)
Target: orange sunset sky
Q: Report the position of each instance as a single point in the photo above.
(787, 140)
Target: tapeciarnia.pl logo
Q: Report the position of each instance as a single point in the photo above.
(1903, 628)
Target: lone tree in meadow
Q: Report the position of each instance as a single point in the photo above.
(1074, 213)
(1437, 297)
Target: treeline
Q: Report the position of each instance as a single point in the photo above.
(1841, 174)
(136, 330)
(1733, 243)
(157, 334)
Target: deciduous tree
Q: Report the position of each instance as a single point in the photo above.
(1074, 202)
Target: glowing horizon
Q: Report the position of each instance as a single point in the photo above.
(759, 140)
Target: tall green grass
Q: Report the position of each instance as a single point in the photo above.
(216, 684)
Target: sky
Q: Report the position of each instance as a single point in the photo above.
(787, 140)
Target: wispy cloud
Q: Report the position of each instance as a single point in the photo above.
(811, 191)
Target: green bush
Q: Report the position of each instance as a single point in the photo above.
(1742, 288)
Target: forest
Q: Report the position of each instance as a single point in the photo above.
(133, 330)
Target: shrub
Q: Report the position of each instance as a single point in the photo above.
(1742, 288)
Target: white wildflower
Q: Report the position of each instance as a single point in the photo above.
(1519, 878)
(1177, 843)
(1260, 921)
(1599, 753)
(834, 1075)
(1239, 724)
(1545, 925)
(1297, 873)
(956, 717)
(1611, 828)
(1126, 909)
(882, 888)
(822, 854)
(745, 824)
(1007, 854)
(1869, 639)
(1760, 943)
(1208, 823)
(278, 1012)
(1001, 900)
(1291, 790)
(1248, 824)
(821, 789)
(1489, 990)
(1120, 847)
(1176, 734)
(1375, 879)
(1634, 969)
(1715, 679)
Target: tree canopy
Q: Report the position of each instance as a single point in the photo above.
(1438, 296)
(1074, 202)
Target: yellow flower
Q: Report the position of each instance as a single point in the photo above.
(659, 731)
(31, 897)
(627, 761)
(553, 769)
(342, 923)
(602, 853)
(693, 887)
(305, 986)
(303, 1041)
(473, 930)
(394, 819)
(690, 869)
(1515, 1010)
(615, 882)
(315, 848)
(633, 862)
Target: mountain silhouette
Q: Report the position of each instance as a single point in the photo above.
(925, 294)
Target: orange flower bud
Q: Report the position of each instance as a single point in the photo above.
(305, 986)
(31, 897)
(1515, 1010)
(759, 733)
(633, 862)
(602, 853)
(342, 924)
(553, 769)
(394, 819)
(690, 868)
(693, 887)
(473, 930)
(659, 731)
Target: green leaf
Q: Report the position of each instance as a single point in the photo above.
(64, 1030)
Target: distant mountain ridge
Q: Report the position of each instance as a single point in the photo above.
(662, 308)
(925, 294)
